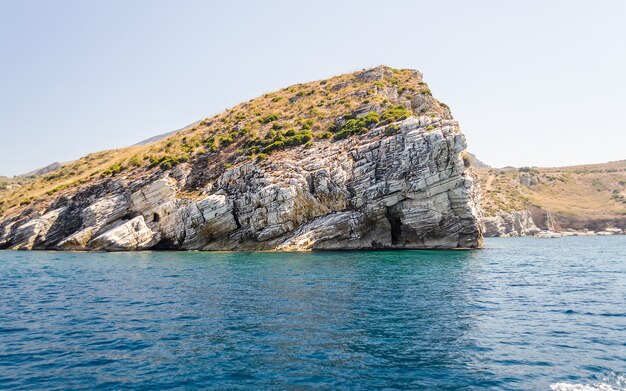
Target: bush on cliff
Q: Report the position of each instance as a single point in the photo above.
(275, 140)
(269, 118)
(362, 124)
(114, 169)
(396, 113)
(166, 162)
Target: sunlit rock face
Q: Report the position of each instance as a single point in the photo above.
(505, 224)
(403, 189)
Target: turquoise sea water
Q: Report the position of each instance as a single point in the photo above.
(521, 314)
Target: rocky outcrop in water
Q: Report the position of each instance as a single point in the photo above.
(506, 224)
(400, 185)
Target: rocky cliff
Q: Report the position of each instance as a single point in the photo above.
(368, 160)
(513, 223)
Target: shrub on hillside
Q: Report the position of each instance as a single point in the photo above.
(167, 162)
(324, 135)
(391, 129)
(356, 125)
(274, 146)
(225, 141)
(394, 114)
(268, 119)
(114, 170)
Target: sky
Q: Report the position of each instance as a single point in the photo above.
(532, 83)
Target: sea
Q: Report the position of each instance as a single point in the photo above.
(520, 314)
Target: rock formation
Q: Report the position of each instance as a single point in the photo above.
(505, 224)
(397, 183)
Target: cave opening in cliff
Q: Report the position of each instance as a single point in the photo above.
(396, 225)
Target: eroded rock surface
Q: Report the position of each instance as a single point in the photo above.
(408, 188)
(516, 223)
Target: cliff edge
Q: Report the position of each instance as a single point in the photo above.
(367, 160)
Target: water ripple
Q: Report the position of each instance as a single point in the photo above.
(520, 314)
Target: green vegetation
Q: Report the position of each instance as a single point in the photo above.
(618, 197)
(597, 184)
(362, 124)
(356, 125)
(209, 144)
(391, 129)
(268, 119)
(167, 162)
(276, 140)
(225, 140)
(396, 113)
(113, 170)
(134, 161)
(324, 135)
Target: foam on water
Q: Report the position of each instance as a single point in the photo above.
(612, 382)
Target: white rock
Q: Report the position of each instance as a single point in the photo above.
(132, 235)
(34, 230)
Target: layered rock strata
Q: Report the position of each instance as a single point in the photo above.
(507, 224)
(406, 189)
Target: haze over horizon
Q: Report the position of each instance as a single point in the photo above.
(532, 84)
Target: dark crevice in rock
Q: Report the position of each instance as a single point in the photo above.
(234, 211)
(128, 216)
(311, 184)
(183, 236)
(164, 244)
(396, 225)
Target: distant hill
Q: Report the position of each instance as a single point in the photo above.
(165, 135)
(57, 166)
(584, 197)
(42, 171)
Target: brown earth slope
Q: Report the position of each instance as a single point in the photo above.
(577, 198)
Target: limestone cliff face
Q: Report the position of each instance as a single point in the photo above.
(507, 224)
(405, 188)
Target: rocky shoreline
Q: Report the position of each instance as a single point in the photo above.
(523, 223)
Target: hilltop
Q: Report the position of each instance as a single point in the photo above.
(362, 160)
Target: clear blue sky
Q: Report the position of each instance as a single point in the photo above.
(532, 82)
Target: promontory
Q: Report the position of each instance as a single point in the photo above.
(366, 160)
